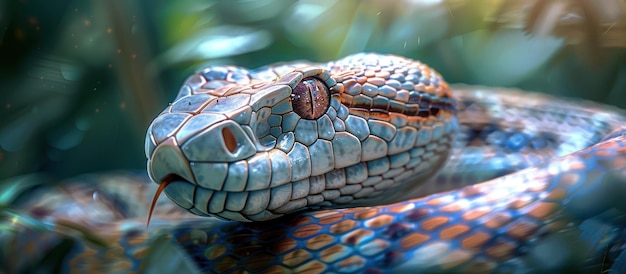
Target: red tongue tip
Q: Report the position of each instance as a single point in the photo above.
(166, 181)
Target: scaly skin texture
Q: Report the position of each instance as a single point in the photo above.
(388, 122)
(564, 212)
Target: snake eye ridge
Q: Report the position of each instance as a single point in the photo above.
(310, 98)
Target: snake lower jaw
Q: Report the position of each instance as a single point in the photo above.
(311, 193)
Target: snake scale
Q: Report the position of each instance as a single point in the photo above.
(371, 163)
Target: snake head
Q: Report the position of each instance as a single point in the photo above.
(254, 145)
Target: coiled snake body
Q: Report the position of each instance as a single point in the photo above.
(284, 147)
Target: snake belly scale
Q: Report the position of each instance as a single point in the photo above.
(523, 183)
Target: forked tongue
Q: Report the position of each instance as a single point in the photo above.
(166, 181)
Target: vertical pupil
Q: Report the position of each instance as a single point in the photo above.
(310, 98)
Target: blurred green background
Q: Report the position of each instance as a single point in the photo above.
(80, 80)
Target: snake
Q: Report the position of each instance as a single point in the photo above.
(369, 164)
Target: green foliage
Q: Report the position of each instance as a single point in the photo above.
(81, 80)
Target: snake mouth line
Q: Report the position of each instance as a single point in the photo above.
(316, 136)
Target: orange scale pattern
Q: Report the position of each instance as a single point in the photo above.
(451, 231)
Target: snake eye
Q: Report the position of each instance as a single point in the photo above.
(311, 98)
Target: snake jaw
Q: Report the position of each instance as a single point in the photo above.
(251, 147)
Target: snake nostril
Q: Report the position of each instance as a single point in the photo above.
(229, 139)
